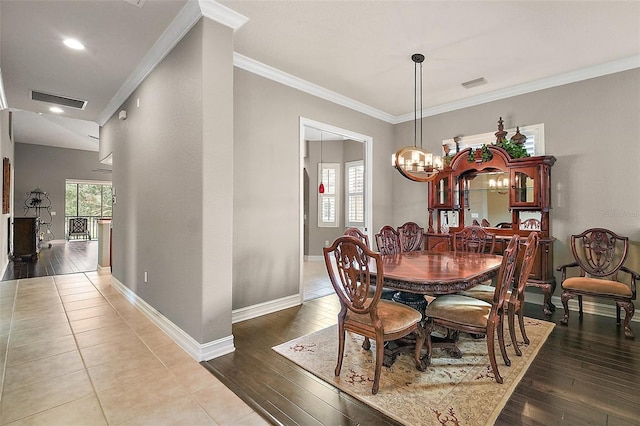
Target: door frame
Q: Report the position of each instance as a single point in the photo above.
(368, 175)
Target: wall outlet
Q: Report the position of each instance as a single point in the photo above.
(326, 243)
(146, 277)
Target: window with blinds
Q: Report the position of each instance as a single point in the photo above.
(534, 143)
(354, 189)
(329, 175)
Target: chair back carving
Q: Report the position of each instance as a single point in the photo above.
(599, 252)
(505, 278)
(526, 265)
(411, 236)
(357, 233)
(474, 239)
(351, 276)
(388, 241)
(485, 223)
(531, 223)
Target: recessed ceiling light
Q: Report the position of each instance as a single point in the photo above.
(73, 44)
(56, 110)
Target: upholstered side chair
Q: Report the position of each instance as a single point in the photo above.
(470, 315)
(364, 313)
(515, 294)
(599, 255)
(474, 239)
(411, 236)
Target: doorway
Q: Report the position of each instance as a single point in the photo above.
(324, 143)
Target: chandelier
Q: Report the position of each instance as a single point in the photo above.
(414, 162)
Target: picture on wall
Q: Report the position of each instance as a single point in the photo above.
(6, 185)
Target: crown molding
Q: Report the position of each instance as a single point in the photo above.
(282, 77)
(222, 14)
(178, 28)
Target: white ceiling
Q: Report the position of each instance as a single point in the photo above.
(358, 51)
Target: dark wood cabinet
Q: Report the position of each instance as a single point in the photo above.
(25, 237)
(527, 200)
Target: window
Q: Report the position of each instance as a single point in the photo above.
(534, 143)
(86, 199)
(354, 189)
(329, 175)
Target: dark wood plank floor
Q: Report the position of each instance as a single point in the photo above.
(61, 258)
(585, 374)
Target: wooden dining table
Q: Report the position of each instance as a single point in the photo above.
(416, 274)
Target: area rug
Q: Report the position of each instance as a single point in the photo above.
(452, 391)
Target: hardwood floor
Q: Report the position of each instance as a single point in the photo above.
(63, 257)
(585, 374)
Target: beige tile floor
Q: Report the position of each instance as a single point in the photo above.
(75, 352)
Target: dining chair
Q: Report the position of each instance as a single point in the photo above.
(599, 255)
(411, 236)
(474, 239)
(388, 241)
(357, 233)
(515, 294)
(471, 315)
(364, 313)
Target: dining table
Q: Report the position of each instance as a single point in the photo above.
(428, 273)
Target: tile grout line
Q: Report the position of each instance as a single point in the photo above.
(152, 350)
(84, 364)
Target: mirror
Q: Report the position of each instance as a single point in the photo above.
(488, 200)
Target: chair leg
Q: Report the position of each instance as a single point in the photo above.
(378, 371)
(565, 303)
(503, 348)
(617, 313)
(580, 305)
(340, 349)
(420, 338)
(512, 328)
(491, 330)
(366, 344)
(629, 310)
(428, 328)
(521, 321)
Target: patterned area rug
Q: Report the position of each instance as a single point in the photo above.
(451, 391)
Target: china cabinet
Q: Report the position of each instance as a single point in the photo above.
(506, 194)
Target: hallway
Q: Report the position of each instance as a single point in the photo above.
(63, 257)
(77, 352)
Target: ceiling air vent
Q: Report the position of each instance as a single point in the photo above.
(58, 100)
(138, 3)
(473, 83)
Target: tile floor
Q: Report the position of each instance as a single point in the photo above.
(75, 352)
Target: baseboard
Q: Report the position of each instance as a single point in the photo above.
(314, 258)
(260, 309)
(199, 351)
(588, 306)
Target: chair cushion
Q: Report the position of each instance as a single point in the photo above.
(597, 286)
(394, 316)
(483, 292)
(460, 309)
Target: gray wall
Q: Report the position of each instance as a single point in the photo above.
(266, 224)
(591, 127)
(48, 168)
(173, 170)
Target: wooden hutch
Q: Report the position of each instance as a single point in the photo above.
(472, 177)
